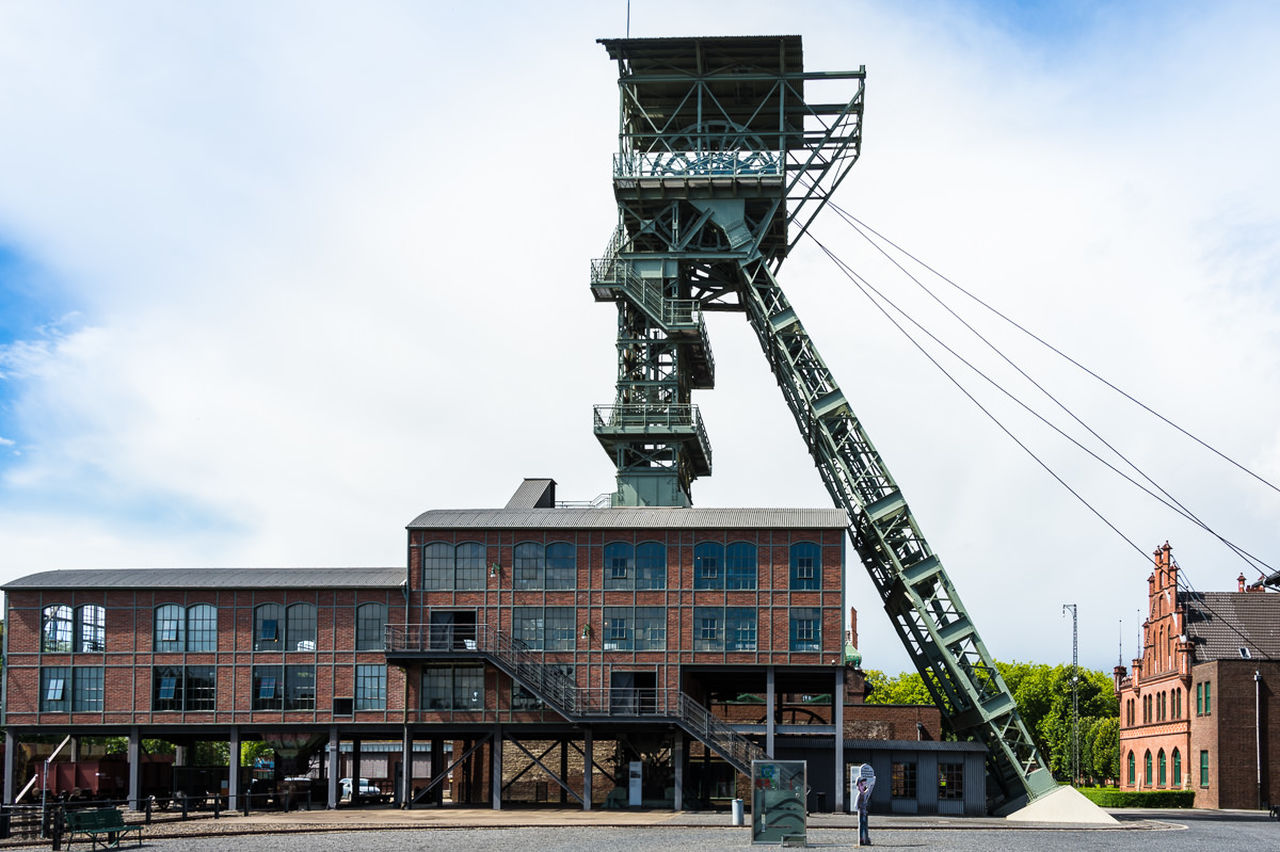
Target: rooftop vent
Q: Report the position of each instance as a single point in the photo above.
(1244, 654)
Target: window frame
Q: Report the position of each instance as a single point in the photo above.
(371, 631)
(57, 629)
(708, 566)
(805, 559)
(619, 566)
(651, 566)
(371, 675)
(91, 633)
(802, 639)
(268, 628)
(741, 566)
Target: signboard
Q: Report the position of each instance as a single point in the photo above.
(859, 771)
(778, 793)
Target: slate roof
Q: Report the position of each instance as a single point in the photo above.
(213, 578)
(1219, 624)
(644, 517)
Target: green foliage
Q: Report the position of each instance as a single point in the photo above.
(1043, 695)
(250, 750)
(1105, 797)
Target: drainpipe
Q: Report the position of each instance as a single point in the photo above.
(1257, 727)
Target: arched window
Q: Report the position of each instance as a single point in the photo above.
(371, 620)
(1132, 774)
(170, 629)
(619, 565)
(740, 565)
(91, 629)
(469, 570)
(1163, 777)
(708, 565)
(562, 565)
(651, 565)
(437, 565)
(56, 629)
(202, 627)
(1176, 780)
(806, 566)
(268, 627)
(529, 565)
(1146, 769)
(300, 627)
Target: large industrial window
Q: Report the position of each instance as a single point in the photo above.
(740, 628)
(371, 687)
(268, 690)
(530, 565)
(202, 627)
(651, 565)
(708, 628)
(806, 566)
(371, 626)
(527, 626)
(1176, 779)
(619, 565)
(950, 780)
(300, 687)
(300, 627)
(740, 565)
(651, 628)
(559, 628)
(64, 688)
(170, 629)
(54, 694)
(562, 566)
(437, 565)
(268, 628)
(91, 629)
(708, 565)
(183, 688)
(806, 629)
(57, 629)
(469, 570)
(445, 566)
(902, 780)
(453, 688)
(1204, 769)
(617, 628)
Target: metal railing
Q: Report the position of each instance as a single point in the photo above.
(670, 417)
(561, 692)
(697, 164)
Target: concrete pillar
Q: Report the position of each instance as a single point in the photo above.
(10, 749)
(677, 763)
(495, 776)
(73, 750)
(770, 711)
(837, 719)
(233, 767)
(179, 755)
(135, 767)
(588, 768)
(335, 766)
(406, 769)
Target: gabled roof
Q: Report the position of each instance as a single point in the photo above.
(645, 517)
(213, 578)
(1219, 624)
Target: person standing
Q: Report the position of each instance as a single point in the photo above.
(864, 795)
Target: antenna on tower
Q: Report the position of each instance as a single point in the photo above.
(1120, 643)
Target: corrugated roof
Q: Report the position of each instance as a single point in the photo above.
(534, 493)
(1219, 624)
(214, 578)
(645, 517)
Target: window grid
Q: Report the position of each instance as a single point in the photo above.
(740, 628)
(371, 687)
(619, 561)
(950, 780)
(299, 687)
(53, 689)
(469, 567)
(1204, 768)
(740, 566)
(560, 626)
(902, 780)
(708, 557)
(300, 627)
(806, 629)
(169, 631)
(371, 621)
(650, 628)
(617, 628)
(708, 628)
(651, 565)
(57, 630)
(202, 627)
(91, 629)
(530, 565)
(805, 557)
(562, 566)
(266, 627)
(527, 626)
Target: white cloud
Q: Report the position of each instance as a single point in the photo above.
(331, 271)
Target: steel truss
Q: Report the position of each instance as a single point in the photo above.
(723, 165)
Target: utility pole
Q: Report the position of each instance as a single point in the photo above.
(1075, 692)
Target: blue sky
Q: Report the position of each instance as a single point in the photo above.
(275, 278)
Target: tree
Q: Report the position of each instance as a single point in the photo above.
(904, 688)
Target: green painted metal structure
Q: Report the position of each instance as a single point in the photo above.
(728, 150)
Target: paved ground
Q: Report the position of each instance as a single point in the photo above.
(573, 830)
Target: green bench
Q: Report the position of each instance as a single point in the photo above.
(102, 825)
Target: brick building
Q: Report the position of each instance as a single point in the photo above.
(523, 644)
(1197, 712)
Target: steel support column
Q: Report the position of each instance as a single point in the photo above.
(588, 768)
(495, 759)
(335, 766)
(10, 749)
(677, 764)
(233, 769)
(837, 720)
(406, 769)
(135, 767)
(770, 711)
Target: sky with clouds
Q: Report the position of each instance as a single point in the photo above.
(277, 277)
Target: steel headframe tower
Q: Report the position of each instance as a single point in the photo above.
(728, 150)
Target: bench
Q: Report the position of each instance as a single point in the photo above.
(101, 825)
